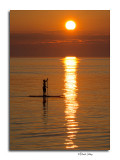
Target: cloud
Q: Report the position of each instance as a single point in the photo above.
(59, 44)
(56, 37)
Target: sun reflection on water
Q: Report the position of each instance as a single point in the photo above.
(70, 88)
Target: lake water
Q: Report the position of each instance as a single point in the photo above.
(78, 121)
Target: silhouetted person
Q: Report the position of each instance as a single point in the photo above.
(44, 87)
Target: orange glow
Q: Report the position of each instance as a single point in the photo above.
(36, 21)
(70, 93)
(43, 33)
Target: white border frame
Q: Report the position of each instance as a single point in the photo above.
(5, 7)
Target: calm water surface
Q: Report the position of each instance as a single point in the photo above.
(79, 121)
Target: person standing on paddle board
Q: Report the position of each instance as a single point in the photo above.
(45, 86)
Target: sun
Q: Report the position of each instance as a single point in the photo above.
(70, 25)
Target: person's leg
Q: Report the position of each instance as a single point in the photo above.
(44, 92)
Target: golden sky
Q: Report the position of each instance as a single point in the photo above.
(44, 30)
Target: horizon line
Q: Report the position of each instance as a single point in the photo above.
(59, 57)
